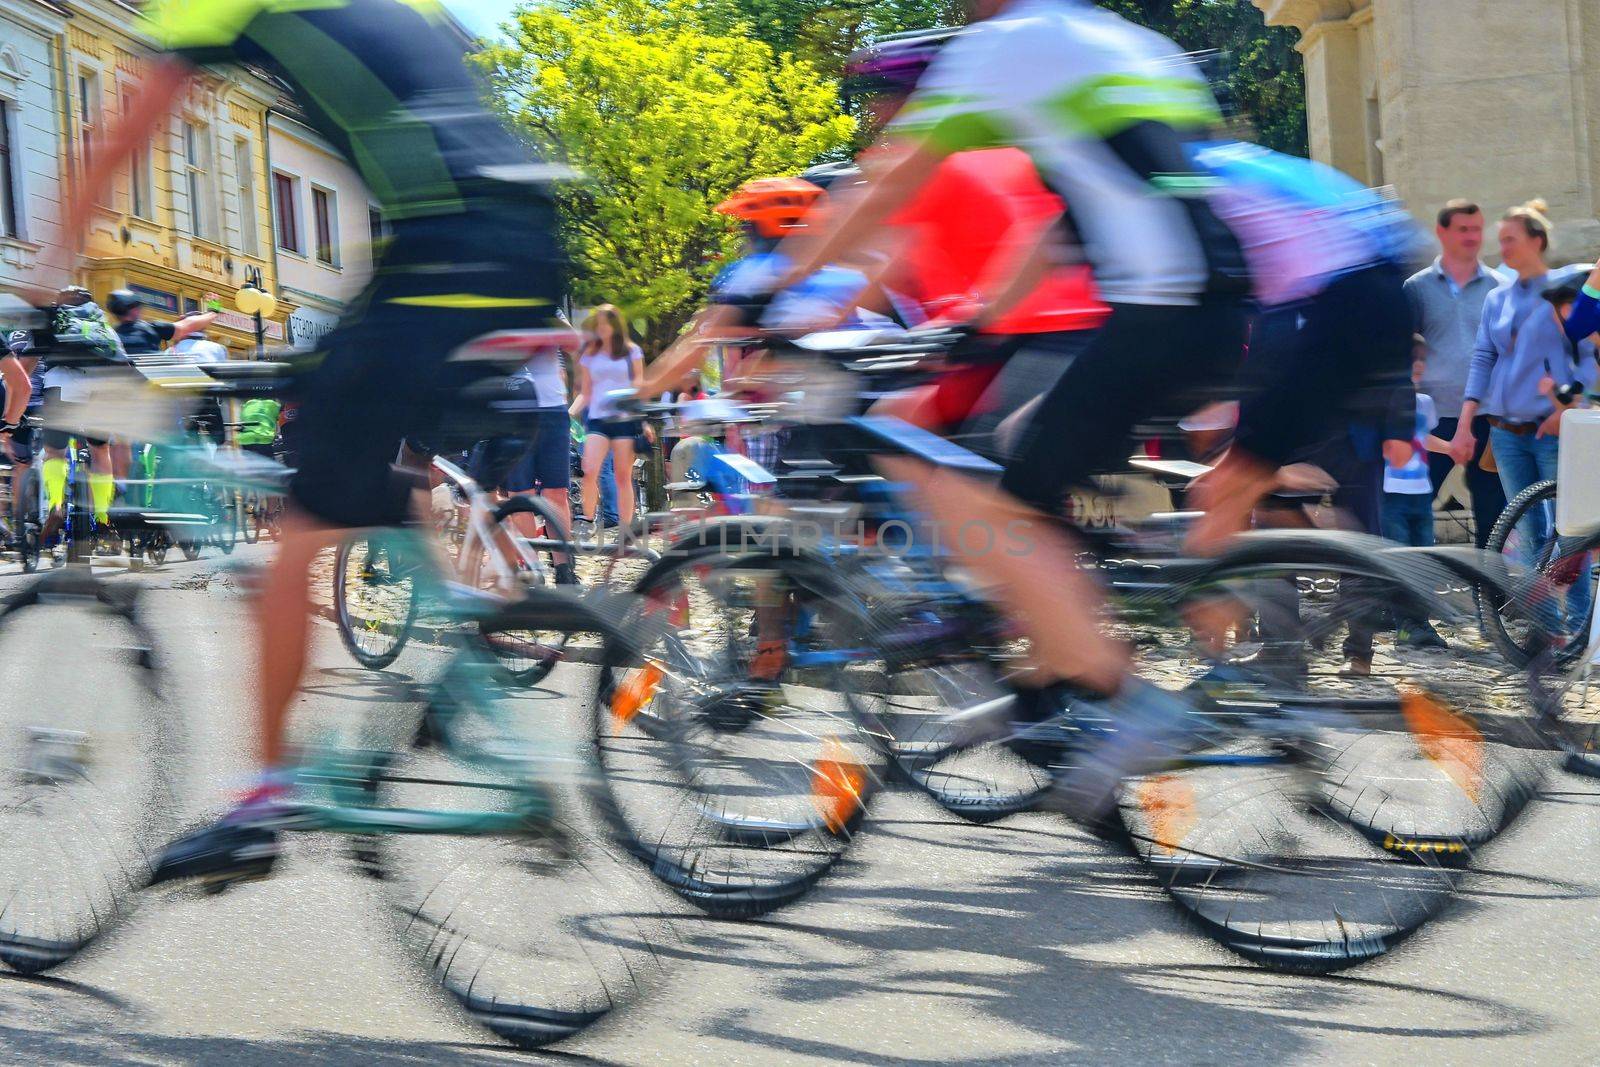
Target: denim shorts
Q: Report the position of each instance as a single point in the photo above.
(615, 429)
(519, 464)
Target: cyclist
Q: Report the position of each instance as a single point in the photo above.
(140, 336)
(473, 251)
(20, 441)
(1109, 112)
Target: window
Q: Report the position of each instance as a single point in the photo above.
(88, 114)
(325, 217)
(244, 165)
(197, 178)
(8, 193)
(286, 201)
(141, 200)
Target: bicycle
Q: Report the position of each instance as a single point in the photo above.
(376, 598)
(1526, 533)
(1404, 770)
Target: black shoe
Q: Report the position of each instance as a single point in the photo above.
(1040, 733)
(566, 574)
(233, 850)
(1411, 635)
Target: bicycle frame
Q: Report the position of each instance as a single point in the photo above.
(481, 532)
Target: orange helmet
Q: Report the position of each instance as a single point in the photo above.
(773, 206)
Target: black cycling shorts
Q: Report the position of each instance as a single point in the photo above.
(1342, 356)
(387, 375)
(1145, 360)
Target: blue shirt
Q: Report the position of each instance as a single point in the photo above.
(1519, 342)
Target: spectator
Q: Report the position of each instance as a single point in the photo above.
(1408, 503)
(141, 336)
(610, 363)
(1447, 301)
(1521, 350)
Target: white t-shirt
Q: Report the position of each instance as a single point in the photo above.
(1412, 479)
(200, 350)
(607, 375)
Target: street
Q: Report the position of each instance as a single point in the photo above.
(933, 941)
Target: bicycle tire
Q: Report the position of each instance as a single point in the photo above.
(1519, 650)
(374, 633)
(737, 794)
(534, 935)
(87, 806)
(528, 656)
(29, 523)
(1329, 851)
(248, 508)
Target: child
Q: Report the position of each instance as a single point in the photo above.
(1408, 504)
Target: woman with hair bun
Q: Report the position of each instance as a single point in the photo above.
(1522, 359)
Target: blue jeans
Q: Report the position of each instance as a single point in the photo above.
(1524, 460)
(608, 492)
(1408, 518)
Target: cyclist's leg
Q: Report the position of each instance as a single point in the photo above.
(102, 480)
(545, 470)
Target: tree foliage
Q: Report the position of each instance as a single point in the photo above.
(665, 114)
(825, 32)
(1264, 70)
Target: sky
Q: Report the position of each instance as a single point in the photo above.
(481, 16)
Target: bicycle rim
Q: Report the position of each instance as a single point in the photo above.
(374, 597)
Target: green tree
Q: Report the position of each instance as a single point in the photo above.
(1264, 71)
(825, 32)
(664, 115)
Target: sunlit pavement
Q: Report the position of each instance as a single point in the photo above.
(934, 942)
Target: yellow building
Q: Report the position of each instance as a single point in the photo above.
(193, 214)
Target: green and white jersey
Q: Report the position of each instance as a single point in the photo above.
(1104, 107)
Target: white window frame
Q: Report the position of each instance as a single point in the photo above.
(142, 166)
(334, 261)
(12, 117)
(249, 224)
(90, 100)
(197, 171)
(296, 184)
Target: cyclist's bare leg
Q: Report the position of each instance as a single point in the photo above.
(1228, 495)
(1031, 564)
(283, 614)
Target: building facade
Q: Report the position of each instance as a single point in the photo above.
(1497, 101)
(324, 226)
(190, 217)
(31, 145)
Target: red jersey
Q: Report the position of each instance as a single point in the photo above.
(961, 219)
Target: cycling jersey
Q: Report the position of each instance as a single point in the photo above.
(384, 80)
(826, 295)
(1103, 107)
(1301, 224)
(960, 220)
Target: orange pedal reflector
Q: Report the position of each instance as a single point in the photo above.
(837, 782)
(635, 693)
(1445, 738)
(1168, 803)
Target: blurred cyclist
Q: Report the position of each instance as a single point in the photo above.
(474, 251)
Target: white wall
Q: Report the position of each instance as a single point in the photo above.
(298, 152)
(27, 71)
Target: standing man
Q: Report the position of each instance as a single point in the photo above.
(140, 336)
(1447, 302)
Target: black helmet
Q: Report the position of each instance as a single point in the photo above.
(123, 301)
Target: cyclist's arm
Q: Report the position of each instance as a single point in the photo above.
(192, 324)
(19, 388)
(846, 226)
(1584, 319)
(1011, 276)
(163, 85)
(686, 353)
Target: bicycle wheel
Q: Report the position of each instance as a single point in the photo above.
(536, 932)
(86, 796)
(734, 765)
(1278, 834)
(29, 523)
(374, 598)
(1562, 605)
(526, 656)
(249, 517)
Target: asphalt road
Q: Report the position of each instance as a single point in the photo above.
(934, 941)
